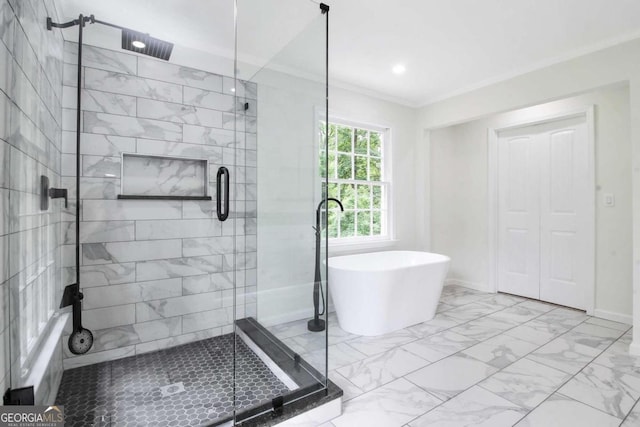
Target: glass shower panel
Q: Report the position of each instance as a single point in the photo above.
(281, 80)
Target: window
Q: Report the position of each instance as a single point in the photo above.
(356, 175)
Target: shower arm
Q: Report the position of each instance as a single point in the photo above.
(91, 19)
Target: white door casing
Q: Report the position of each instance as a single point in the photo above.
(545, 224)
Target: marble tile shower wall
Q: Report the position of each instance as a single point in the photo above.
(31, 61)
(158, 273)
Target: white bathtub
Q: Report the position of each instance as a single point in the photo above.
(381, 292)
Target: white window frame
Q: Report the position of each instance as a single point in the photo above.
(347, 244)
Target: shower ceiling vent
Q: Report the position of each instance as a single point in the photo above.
(152, 46)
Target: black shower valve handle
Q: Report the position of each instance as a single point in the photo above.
(59, 193)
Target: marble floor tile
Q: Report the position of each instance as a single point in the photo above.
(608, 324)
(564, 316)
(288, 330)
(525, 383)
(442, 307)
(560, 411)
(471, 311)
(504, 300)
(339, 355)
(349, 389)
(617, 357)
(448, 377)
(532, 334)
(482, 329)
(593, 335)
(515, 315)
(378, 370)
(633, 419)
(474, 407)
(539, 306)
(458, 300)
(392, 405)
(500, 351)
(565, 355)
(603, 388)
(440, 345)
(375, 345)
(439, 323)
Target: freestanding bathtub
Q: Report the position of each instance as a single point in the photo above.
(381, 292)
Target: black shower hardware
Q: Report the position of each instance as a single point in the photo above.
(222, 172)
(316, 324)
(81, 339)
(46, 192)
(132, 40)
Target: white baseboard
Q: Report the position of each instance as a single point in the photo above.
(471, 285)
(634, 348)
(627, 319)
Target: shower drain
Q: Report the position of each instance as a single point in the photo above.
(171, 389)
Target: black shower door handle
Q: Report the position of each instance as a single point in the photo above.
(222, 171)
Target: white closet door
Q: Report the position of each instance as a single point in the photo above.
(564, 269)
(518, 214)
(543, 190)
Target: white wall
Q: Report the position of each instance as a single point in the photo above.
(459, 195)
(617, 64)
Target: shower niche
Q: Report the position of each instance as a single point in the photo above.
(147, 176)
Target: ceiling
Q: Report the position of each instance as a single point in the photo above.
(448, 46)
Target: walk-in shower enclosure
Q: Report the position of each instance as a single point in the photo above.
(188, 220)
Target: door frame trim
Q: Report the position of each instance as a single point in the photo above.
(588, 113)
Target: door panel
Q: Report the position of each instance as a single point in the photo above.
(543, 196)
(564, 165)
(518, 267)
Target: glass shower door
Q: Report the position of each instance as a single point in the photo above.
(281, 290)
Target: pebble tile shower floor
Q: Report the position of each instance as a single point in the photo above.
(189, 385)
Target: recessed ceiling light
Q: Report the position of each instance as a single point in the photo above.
(233, 89)
(399, 69)
(138, 44)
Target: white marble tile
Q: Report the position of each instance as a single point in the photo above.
(515, 315)
(109, 317)
(560, 411)
(105, 231)
(120, 252)
(181, 149)
(526, 383)
(179, 113)
(440, 345)
(207, 246)
(481, 329)
(178, 267)
(375, 371)
(208, 283)
(474, 407)
(207, 319)
(392, 405)
(565, 355)
(608, 324)
(565, 317)
(603, 388)
(633, 419)
(129, 293)
(289, 329)
(540, 306)
(98, 145)
(439, 323)
(101, 166)
(177, 306)
(126, 84)
(349, 389)
(593, 335)
(177, 340)
(99, 101)
(618, 357)
(160, 70)
(374, 345)
(212, 136)
(500, 351)
(213, 100)
(104, 59)
(460, 299)
(108, 274)
(472, 311)
(97, 357)
(448, 377)
(111, 124)
(339, 355)
(186, 228)
(122, 210)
